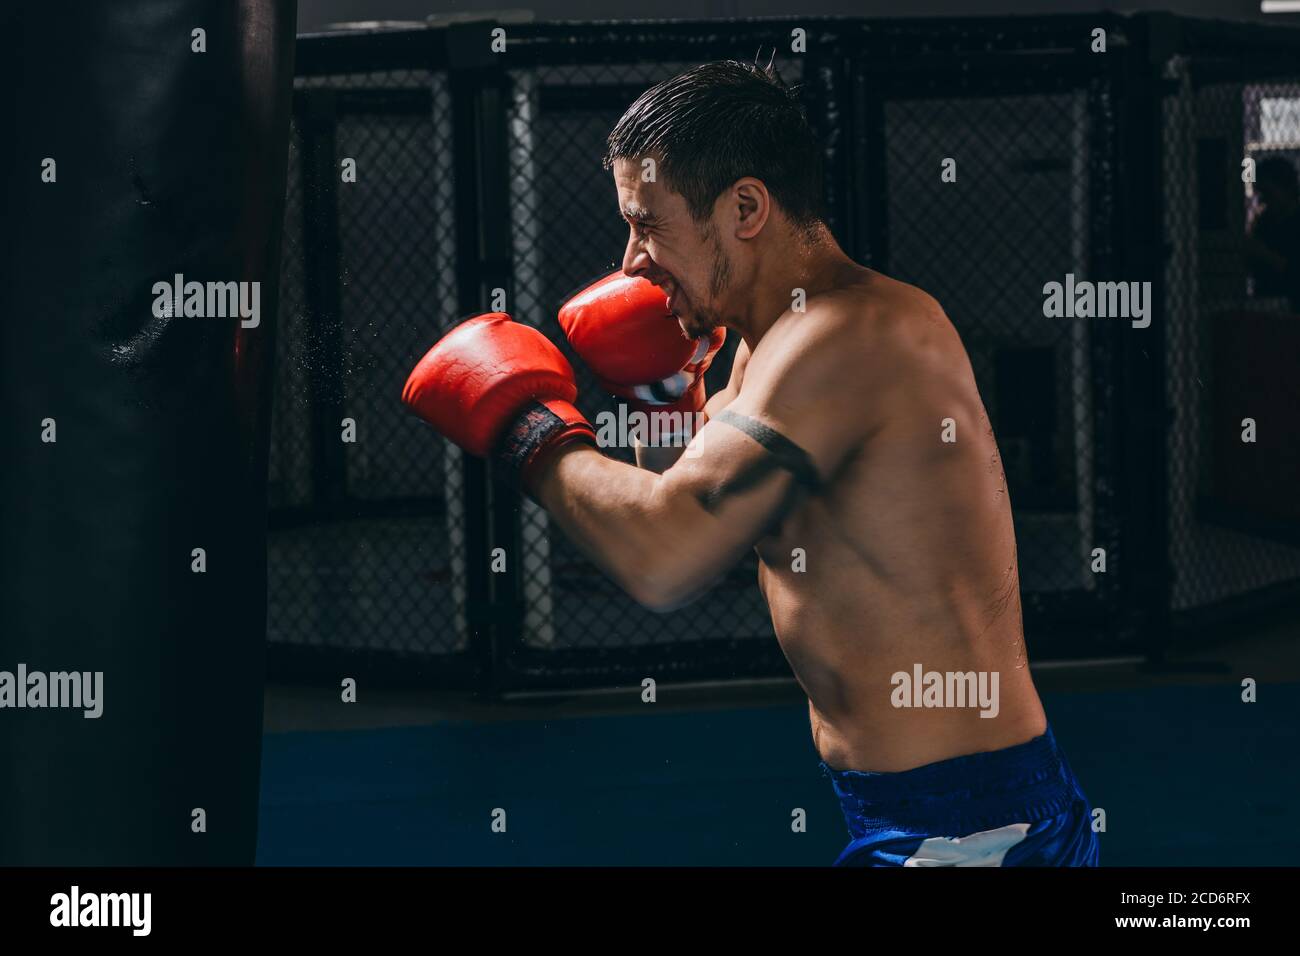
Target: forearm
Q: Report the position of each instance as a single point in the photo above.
(614, 512)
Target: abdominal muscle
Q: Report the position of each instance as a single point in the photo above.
(929, 591)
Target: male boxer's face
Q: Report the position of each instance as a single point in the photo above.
(685, 258)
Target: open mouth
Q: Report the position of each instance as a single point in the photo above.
(669, 289)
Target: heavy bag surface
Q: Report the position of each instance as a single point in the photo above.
(148, 154)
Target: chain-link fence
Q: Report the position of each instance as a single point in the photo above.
(1022, 205)
(978, 159)
(1232, 217)
(367, 514)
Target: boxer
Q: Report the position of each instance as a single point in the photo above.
(850, 449)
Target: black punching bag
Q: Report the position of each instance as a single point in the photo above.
(146, 141)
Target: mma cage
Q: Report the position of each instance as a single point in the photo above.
(478, 171)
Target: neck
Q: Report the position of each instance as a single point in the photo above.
(814, 265)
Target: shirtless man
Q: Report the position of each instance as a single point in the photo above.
(851, 428)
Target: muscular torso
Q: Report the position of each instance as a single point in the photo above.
(905, 556)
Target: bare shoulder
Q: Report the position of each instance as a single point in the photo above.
(832, 376)
(887, 320)
(855, 339)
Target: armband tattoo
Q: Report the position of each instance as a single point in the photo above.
(782, 453)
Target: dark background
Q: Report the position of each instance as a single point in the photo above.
(316, 15)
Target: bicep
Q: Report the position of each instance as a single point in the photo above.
(725, 493)
(810, 408)
(794, 420)
(667, 538)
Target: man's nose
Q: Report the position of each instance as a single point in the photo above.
(636, 261)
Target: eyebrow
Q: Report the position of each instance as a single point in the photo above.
(639, 214)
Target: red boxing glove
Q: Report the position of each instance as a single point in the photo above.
(499, 388)
(622, 329)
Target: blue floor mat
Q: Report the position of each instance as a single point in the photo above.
(1186, 775)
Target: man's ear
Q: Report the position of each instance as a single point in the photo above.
(753, 206)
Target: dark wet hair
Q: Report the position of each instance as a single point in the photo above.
(718, 122)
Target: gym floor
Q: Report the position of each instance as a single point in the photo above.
(1186, 773)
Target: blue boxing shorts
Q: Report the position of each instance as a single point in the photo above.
(1020, 806)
